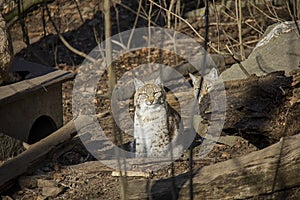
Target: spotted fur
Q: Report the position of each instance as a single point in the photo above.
(156, 123)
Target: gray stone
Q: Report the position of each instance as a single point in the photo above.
(278, 50)
(27, 182)
(46, 183)
(49, 188)
(51, 191)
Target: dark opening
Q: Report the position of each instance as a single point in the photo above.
(41, 128)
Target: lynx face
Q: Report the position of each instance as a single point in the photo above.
(207, 84)
(149, 94)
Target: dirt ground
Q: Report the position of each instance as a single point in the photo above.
(82, 29)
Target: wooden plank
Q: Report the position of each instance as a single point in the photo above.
(13, 91)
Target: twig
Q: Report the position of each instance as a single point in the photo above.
(251, 14)
(189, 25)
(179, 11)
(238, 62)
(231, 38)
(239, 18)
(134, 25)
(149, 30)
(79, 12)
(253, 28)
(293, 17)
(273, 11)
(133, 11)
(268, 16)
(65, 42)
(118, 23)
(26, 37)
(172, 2)
(217, 23)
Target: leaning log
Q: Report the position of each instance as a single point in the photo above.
(268, 171)
(39, 152)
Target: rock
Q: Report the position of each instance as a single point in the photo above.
(18, 46)
(49, 188)
(278, 50)
(51, 191)
(27, 182)
(46, 183)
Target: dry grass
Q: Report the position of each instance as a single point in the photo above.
(9, 147)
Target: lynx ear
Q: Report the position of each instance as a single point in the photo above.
(194, 78)
(211, 78)
(138, 83)
(213, 74)
(158, 81)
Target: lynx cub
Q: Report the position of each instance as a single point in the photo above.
(206, 85)
(156, 123)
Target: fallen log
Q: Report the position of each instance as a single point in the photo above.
(273, 169)
(258, 108)
(38, 153)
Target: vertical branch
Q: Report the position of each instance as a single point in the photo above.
(138, 13)
(108, 50)
(111, 84)
(169, 18)
(179, 11)
(239, 17)
(217, 23)
(297, 3)
(149, 30)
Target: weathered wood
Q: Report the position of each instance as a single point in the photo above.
(39, 152)
(266, 171)
(17, 107)
(11, 92)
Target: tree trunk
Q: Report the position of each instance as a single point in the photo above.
(6, 51)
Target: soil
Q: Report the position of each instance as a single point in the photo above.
(82, 28)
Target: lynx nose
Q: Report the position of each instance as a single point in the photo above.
(151, 100)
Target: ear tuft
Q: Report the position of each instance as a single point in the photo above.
(213, 74)
(138, 83)
(194, 78)
(158, 81)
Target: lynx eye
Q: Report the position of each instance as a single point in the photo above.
(143, 94)
(157, 94)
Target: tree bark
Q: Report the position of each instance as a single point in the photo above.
(6, 51)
